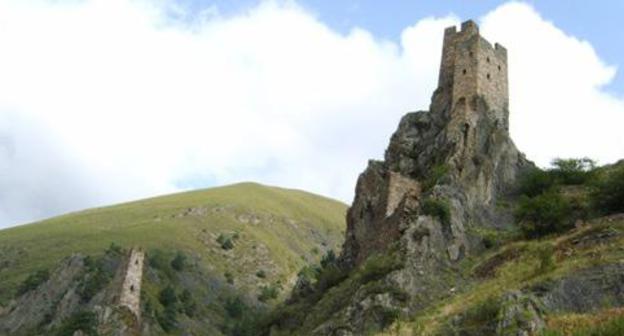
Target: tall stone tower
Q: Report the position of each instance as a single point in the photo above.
(471, 67)
(131, 286)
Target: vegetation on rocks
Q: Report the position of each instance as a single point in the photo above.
(274, 230)
(437, 208)
(33, 281)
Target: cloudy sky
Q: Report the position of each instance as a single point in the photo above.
(104, 101)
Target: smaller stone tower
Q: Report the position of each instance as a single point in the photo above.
(471, 67)
(131, 287)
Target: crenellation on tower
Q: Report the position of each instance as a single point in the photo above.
(471, 66)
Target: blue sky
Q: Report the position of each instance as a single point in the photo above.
(599, 22)
(105, 101)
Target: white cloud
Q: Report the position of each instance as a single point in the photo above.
(108, 100)
(558, 106)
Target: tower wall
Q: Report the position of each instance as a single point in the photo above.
(131, 287)
(471, 66)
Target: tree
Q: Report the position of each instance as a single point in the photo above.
(608, 194)
(179, 262)
(168, 296)
(573, 171)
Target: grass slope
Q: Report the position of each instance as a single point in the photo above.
(279, 231)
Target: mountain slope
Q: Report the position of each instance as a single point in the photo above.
(239, 239)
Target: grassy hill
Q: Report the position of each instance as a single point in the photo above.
(247, 235)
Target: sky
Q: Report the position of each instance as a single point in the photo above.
(105, 101)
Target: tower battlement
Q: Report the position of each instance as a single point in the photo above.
(471, 66)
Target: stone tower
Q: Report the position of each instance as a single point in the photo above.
(471, 67)
(131, 286)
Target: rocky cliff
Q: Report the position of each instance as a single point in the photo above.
(444, 175)
(419, 257)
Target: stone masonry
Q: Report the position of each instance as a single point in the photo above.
(471, 66)
(130, 296)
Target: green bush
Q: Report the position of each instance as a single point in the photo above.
(168, 319)
(33, 281)
(546, 257)
(269, 292)
(329, 277)
(235, 307)
(378, 265)
(434, 176)
(437, 208)
(229, 278)
(114, 249)
(573, 171)
(95, 282)
(168, 297)
(179, 262)
(261, 274)
(544, 214)
(328, 259)
(189, 306)
(535, 182)
(158, 259)
(309, 272)
(482, 316)
(226, 241)
(608, 194)
(83, 321)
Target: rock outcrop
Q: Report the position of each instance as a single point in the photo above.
(105, 291)
(445, 171)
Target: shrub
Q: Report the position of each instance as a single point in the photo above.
(545, 256)
(261, 274)
(309, 272)
(378, 265)
(168, 319)
(83, 321)
(573, 171)
(608, 194)
(168, 296)
(234, 307)
(483, 316)
(329, 277)
(229, 278)
(157, 259)
(188, 304)
(97, 279)
(535, 182)
(226, 241)
(179, 262)
(437, 208)
(33, 281)
(544, 214)
(114, 249)
(269, 292)
(328, 259)
(434, 176)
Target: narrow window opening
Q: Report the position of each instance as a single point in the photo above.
(488, 60)
(464, 71)
(471, 54)
(499, 68)
(136, 262)
(132, 288)
(488, 76)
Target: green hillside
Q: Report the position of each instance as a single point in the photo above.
(247, 234)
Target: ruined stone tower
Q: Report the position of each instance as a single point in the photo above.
(470, 66)
(130, 296)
